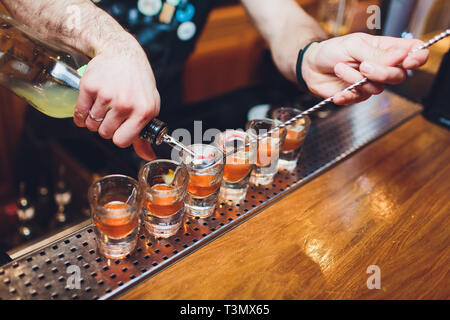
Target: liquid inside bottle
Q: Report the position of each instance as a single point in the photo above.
(26, 62)
(44, 73)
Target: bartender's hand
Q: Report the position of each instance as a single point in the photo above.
(332, 65)
(118, 96)
(118, 87)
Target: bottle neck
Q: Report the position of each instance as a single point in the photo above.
(154, 132)
(66, 75)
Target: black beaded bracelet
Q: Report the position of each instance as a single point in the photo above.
(301, 53)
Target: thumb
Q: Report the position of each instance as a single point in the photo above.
(143, 149)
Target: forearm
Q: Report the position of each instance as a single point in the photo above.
(77, 23)
(286, 27)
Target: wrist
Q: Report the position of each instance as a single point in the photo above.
(105, 35)
(305, 69)
(304, 61)
(286, 56)
(120, 44)
(299, 65)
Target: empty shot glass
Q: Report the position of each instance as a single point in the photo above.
(163, 186)
(295, 135)
(238, 166)
(205, 175)
(268, 149)
(114, 203)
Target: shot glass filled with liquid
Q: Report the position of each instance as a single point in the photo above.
(114, 203)
(238, 165)
(295, 135)
(205, 176)
(268, 149)
(163, 188)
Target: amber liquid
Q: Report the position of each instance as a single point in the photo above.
(294, 140)
(202, 185)
(164, 206)
(116, 227)
(236, 169)
(265, 154)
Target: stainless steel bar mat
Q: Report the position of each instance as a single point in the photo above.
(71, 268)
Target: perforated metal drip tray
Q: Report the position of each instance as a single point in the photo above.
(53, 271)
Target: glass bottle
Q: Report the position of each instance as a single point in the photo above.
(47, 74)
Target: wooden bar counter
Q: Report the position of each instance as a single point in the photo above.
(387, 205)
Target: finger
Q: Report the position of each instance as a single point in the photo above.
(416, 59)
(389, 51)
(350, 96)
(127, 132)
(99, 110)
(84, 104)
(113, 120)
(350, 75)
(380, 49)
(384, 74)
(143, 149)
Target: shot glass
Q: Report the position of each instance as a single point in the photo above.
(114, 203)
(295, 135)
(268, 150)
(163, 186)
(205, 175)
(238, 166)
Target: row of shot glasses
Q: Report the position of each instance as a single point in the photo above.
(167, 190)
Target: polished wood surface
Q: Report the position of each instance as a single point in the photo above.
(387, 205)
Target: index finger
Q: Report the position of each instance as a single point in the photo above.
(128, 132)
(389, 51)
(416, 59)
(412, 59)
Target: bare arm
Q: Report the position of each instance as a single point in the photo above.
(118, 85)
(284, 24)
(77, 23)
(331, 65)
